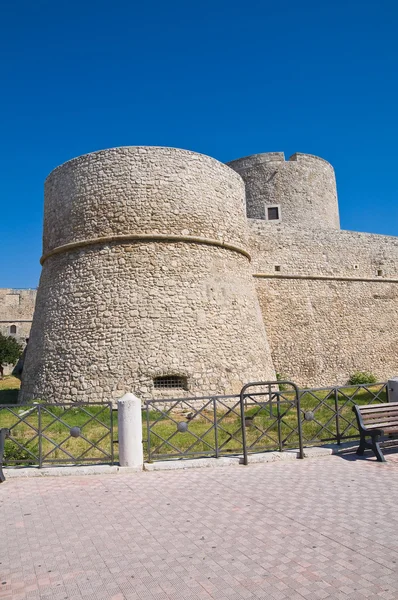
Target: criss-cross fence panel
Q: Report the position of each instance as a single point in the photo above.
(193, 427)
(72, 433)
(326, 413)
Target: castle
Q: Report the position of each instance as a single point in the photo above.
(168, 273)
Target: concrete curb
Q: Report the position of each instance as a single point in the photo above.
(17, 472)
(173, 465)
(264, 457)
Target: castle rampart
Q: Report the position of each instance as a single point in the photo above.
(16, 314)
(329, 301)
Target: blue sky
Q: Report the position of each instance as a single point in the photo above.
(225, 78)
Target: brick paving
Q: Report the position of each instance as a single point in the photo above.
(310, 529)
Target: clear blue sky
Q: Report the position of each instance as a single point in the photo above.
(221, 77)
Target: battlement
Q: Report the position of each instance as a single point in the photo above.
(249, 162)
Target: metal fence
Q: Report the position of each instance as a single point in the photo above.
(44, 434)
(265, 416)
(262, 417)
(327, 415)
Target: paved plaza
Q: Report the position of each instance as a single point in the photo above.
(298, 529)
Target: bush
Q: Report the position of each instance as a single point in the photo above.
(362, 377)
(282, 377)
(16, 454)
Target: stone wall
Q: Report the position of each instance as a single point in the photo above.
(16, 311)
(297, 251)
(331, 307)
(155, 281)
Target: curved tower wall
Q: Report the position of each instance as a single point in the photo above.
(303, 187)
(145, 273)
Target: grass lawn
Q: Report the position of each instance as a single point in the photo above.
(9, 387)
(261, 427)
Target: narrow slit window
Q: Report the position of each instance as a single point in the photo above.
(13, 329)
(380, 273)
(169, 382)
(273, 213)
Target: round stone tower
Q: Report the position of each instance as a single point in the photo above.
(146, 283)
(300, 192)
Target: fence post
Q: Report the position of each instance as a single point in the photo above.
(392, 390)
(129, 419)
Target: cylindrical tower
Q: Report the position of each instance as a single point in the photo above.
(146, 283)
(298, 192)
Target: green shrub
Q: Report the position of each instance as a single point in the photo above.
(362, 377)
(282, 377)
(16, 454)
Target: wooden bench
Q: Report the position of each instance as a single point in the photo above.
(374, 420)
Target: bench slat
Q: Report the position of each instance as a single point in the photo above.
(383, 415)
(375, 407)
(381, 424)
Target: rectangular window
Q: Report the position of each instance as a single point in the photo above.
(272, 213)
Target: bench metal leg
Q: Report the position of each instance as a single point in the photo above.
(377, 450)
(362, 447)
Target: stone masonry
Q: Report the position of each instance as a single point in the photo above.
(16, 314)
(160, 262)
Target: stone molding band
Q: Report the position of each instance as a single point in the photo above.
(324, 278)
(15, 320)
(144, 237)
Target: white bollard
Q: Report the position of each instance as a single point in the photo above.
(129, 417)
(392, 385)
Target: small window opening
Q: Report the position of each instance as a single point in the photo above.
(164, 382)
(277, 267)
(380, 273)
(273, 213)
(13, 329)
(355, 266)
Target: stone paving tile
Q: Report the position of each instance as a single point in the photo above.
(298, 530)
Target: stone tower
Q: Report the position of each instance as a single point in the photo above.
(299, 192)
(146, 283)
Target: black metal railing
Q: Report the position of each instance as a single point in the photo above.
(271, 412)
(253, 421)
(192, 427)
(326, 413)
(265, 416)
(70, 433)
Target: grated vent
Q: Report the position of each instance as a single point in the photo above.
(171, 382)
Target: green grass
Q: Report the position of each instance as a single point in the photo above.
(229, 431)
(9, 387)
(55, 426)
